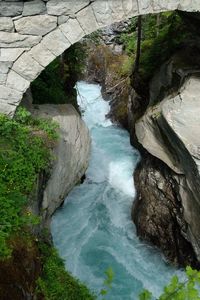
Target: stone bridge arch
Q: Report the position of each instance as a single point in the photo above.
(33, 33)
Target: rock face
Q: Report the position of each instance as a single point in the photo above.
(71, 154)
(33, 25)
(169, 131)
(158, 212)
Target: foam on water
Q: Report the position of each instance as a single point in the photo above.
(94, 230)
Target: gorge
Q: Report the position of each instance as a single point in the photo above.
(45, 148)
(93, 230)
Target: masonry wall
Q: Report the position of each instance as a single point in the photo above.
(34, 33)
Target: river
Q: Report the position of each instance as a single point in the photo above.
(93, 230)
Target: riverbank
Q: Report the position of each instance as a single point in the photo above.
(93, 230)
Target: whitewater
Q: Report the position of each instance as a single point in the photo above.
(93, 230)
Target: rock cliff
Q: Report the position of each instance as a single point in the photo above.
(166, 211)
(19, 274)
(71, 154)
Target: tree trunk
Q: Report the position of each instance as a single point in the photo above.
(157, 24)
(138, 52)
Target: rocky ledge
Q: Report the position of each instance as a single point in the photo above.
(71, 154)
(167, 208)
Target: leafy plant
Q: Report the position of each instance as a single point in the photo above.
(55, 282)
(56, 83)
(23, 154)
(107, 282)
(179, 290)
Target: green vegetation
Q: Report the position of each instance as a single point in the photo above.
(162, 35)
(107, 282)
(48, 87)
(179, 290)
(56, 83)
(56, 283)
(24, 152)
(161, 40)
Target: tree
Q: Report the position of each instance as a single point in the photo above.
(138, 51)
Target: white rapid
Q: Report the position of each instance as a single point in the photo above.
(93, 230)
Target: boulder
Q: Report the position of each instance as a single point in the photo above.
(71, 154)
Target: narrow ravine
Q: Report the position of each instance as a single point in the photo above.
(93, 230)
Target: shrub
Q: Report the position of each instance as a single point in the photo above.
(179, 290)
(23, 154)
(55, 282)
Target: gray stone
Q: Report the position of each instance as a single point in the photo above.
(130, 7)
(27, 67)
(34, 8)
(60, 44)
(4, 67)
(74, 19)
(182, 114)
(87, 20)
(170, 132)
(108, 12)
(10, 95)
(72, 30)
(6, 108)
(6, 24)
(15, 81)
(36, 25)
(16, 40)
(10, 54)
(63, 7)
(150, 137)
(73, 148)
(10, 9)
(62, 19)
(3, 78)
(42, 55)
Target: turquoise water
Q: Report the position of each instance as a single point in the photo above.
(93, 230)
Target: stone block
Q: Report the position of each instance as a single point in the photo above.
(3, 78)
(16, 40)
(60, 7)
(42, 55)
(189, 5)
(6, 108)
(15, 81)
(87, 20)
(130, 7)
(36, 25)
(62, 19)
(6, 24)
(10, 95)
(35, 7)
(27, 67)
(11, 9)
(4, 67)
(56, 42)
(72, 30)
(162, 5)
(10, 54)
